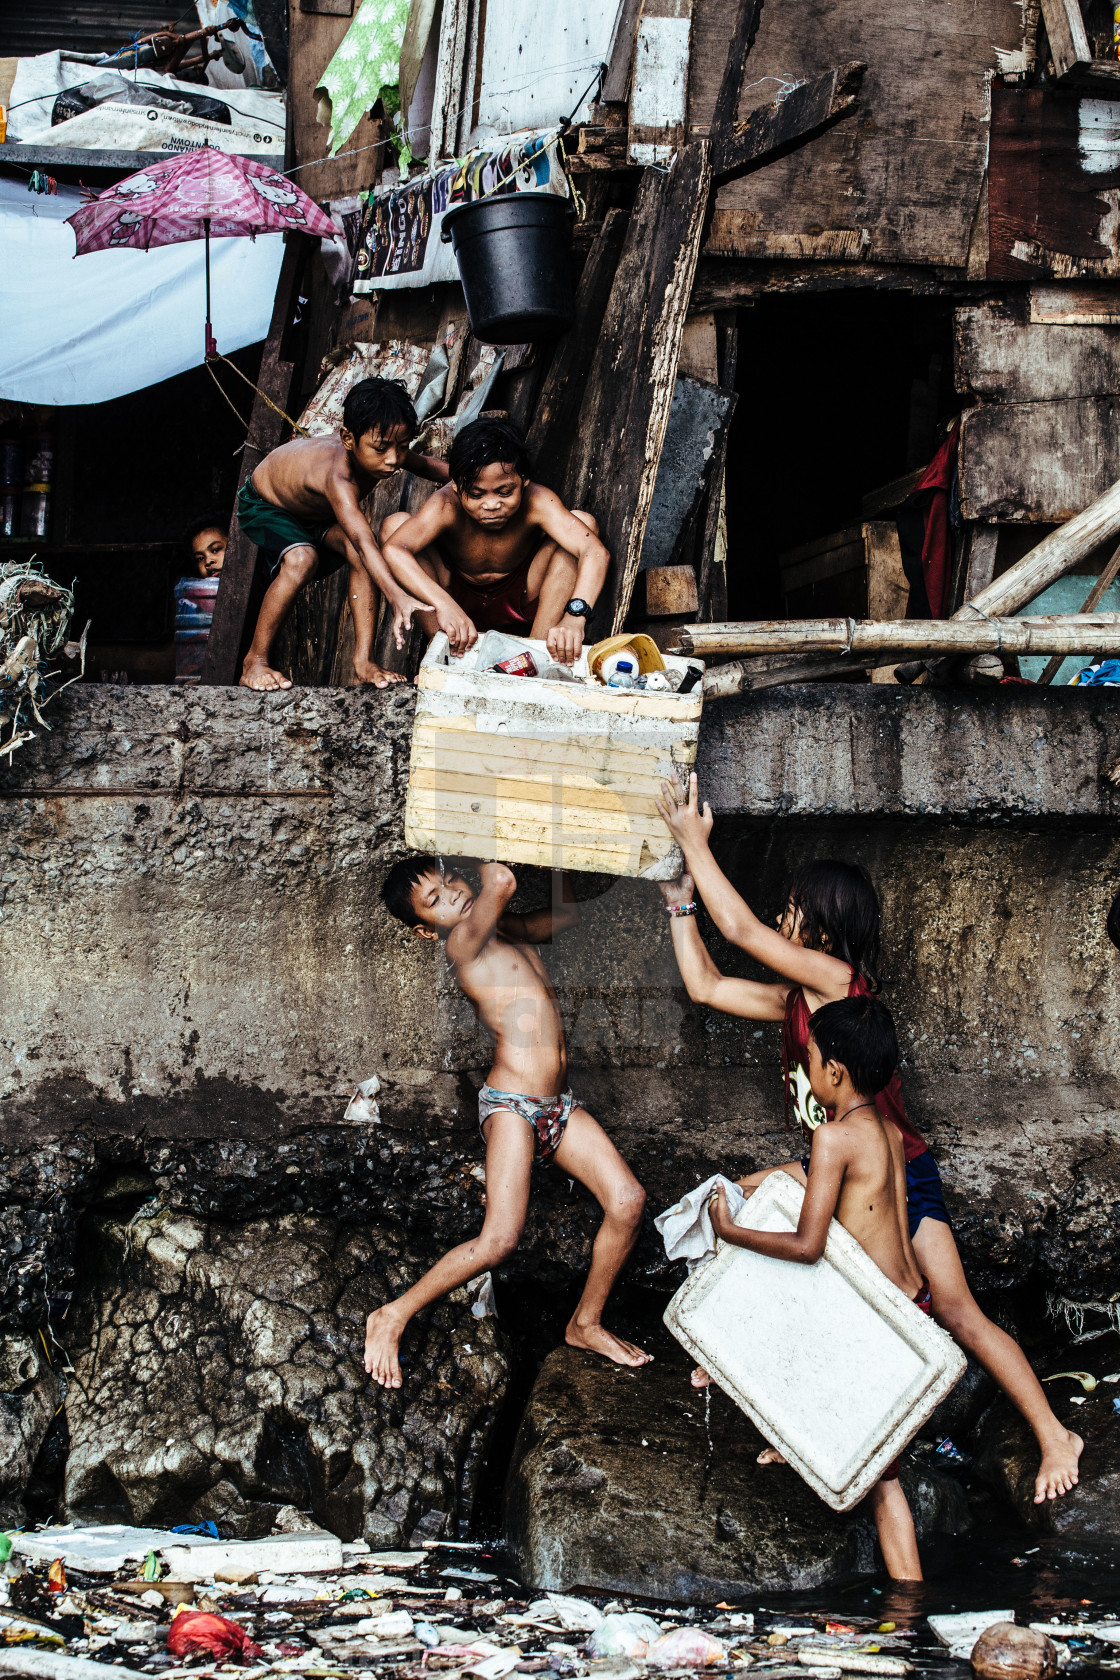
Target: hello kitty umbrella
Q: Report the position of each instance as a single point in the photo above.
(205, 194)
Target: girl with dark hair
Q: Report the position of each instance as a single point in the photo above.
(826, 947)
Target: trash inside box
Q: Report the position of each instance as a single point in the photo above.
(556, 769)
(831, 1362)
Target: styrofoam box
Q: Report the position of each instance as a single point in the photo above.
(547, 770)
(831, 1362)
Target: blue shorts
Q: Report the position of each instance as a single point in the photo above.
(925, 1197)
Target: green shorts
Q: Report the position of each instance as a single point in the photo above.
(275, 531)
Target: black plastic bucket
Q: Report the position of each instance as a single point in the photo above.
(513, 256)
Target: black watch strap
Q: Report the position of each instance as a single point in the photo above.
(578, 608)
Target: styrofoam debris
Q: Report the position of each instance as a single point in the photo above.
(101, 1550)
(1109, 1632)
(314, 1551)
(495, 1667)
(623, 1634)
(571, 1613)
(960, 1632)
(853, 1662)
(396, 1560)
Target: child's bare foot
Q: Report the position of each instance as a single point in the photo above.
(1058, 1471)
(700, 1377)
(383, 1338)
(771, 1455)
(258, 673)
(367, 672)
(595, 1339)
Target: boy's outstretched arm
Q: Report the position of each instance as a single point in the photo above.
(806, 1244)
(427, 466)
(402, 552)
(465, 941)
(750, 999)
(538, 927)
(691, 828)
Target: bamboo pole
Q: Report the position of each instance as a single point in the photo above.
(1068, 633)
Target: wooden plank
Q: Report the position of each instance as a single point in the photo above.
(552, 433)
(736, 45)
(1015, 361)
(834, 562)
(595, 757)
(891, 495)
(981, 543)
(1075, 306)
(1049, 210)
(711, 558)
(671, 591)
(620, 58)
(1037, 462)
(1065, 30)
(900, 184)
(447, 95)
(314, 38)
(659, 81)
(266, 430)
(888, 587)
(774, 131)
(629, 389)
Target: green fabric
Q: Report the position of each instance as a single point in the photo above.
(274, 530)
(368, 59)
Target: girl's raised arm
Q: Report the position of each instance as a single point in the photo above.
(751, 1000)
(821, 975)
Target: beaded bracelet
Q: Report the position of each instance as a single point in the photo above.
(681, 909)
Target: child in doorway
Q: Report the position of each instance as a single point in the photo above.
(505, 551)
(526, 1111)
(301, 508)
(207, 538)
(857, 1173)
(826, 947)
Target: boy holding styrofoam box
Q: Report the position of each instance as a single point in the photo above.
(857, 1174)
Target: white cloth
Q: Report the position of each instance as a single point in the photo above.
(87, 329)
(686, 1227)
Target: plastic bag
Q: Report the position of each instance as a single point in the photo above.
(199, 1630)
(623, 1634)
(686, 1647)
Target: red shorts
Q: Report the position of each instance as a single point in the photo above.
(922, 1301)
(495, 606)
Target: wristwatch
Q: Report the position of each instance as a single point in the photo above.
(577, 608)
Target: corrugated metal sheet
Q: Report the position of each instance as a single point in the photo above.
(39, 26)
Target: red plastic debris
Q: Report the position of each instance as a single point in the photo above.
(56, 1576)
(199, 1630)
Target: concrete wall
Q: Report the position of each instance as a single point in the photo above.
(196, 959)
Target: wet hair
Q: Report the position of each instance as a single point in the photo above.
(1113, 923)
(378, 405)
(858, 1033)
(213, 521)
(838, 900)
(396, 888)
(481, 444)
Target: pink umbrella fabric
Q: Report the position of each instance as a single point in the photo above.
(196, 195)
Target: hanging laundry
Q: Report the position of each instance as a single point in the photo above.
(926, 523)
(366, 61)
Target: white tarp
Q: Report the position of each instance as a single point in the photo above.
(256, 125)
(87, 329)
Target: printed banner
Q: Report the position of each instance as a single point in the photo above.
(399, 244)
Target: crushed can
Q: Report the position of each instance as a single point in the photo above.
(518, 665)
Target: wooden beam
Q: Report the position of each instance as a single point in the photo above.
(266, 428)
(552, 433)
(775, 670)
(1057, 633)
(1015, 361)
(629, 388)
(1076, 306)
(620, 57)
(1036, 462)
(740, 40)
(1065, 30)
(773, 131)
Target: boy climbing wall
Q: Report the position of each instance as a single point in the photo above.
(301, 508)
(525, 1110)
(857, 1175)
(504, 550)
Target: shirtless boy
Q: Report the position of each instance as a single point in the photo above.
(503, 550)
(526, 1111)
(301, 508)
(857, 1174)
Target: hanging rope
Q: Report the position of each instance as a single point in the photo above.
(210, 360)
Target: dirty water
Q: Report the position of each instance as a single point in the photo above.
(457, 1609)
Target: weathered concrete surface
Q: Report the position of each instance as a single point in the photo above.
(199, 969)
(619, 1482)
(218, 1375)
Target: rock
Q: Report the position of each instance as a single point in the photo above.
(1007, 1459)
(615, 1485)
(218, 1374)
(28, 1400)
(1007, 1652)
